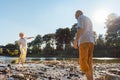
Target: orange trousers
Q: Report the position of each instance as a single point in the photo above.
(85, 57)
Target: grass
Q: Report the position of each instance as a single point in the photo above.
(107, 61)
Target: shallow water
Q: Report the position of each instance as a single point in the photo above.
(95, 59)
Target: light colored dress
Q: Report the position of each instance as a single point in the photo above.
(23, 48)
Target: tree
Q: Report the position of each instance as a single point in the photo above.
(36, 44)
(48, 49)
(73, 31)
(11, 49)
(100, 41)
(63, 38)
(113, 35)
(49, 39)
(113, 30)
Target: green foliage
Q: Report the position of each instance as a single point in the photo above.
(11, 49)
(35, 45)
(63, 37)
(14, 61)
(48, 49)
(49, 39)
(10, 46)
(73, 31)
(1, 51)
(36, 50)
(12, 52)
(113, 30)
(100, 40)
(36, 42)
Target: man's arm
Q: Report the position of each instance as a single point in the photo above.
(79, 32)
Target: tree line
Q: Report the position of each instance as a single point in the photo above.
(60, 43)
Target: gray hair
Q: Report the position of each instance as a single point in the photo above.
(79, 12)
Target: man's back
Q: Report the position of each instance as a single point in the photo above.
(86, 25)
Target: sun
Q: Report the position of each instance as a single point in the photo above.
(100, 15)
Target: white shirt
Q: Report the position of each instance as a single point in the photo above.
(85, 24)
(22, 42)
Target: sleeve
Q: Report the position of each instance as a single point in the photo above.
(79, 23)
(25, 38)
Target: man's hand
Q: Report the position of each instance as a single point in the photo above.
(75, 45)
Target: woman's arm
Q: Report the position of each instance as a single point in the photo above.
(29, 37)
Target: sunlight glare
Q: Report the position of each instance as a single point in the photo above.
(100, 15)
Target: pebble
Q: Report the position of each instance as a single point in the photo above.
(61, 70)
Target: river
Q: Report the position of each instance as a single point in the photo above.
(9, 59)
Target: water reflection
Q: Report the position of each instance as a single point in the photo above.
(105, 58)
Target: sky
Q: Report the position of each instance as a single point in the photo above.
(35, 17)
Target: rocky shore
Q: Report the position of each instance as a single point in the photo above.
(57, 70)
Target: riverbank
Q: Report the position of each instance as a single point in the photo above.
(53, 70)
